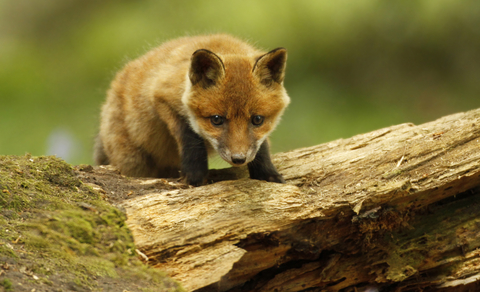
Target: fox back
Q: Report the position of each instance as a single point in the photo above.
(166, 111)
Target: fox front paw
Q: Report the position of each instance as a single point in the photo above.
(196, 179)
(270, 177)
(277, 178)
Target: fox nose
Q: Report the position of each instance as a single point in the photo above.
(238, 158)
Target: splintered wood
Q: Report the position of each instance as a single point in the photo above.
(396, 208)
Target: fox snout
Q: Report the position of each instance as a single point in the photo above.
(237, 158)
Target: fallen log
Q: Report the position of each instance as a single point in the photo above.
(394, 209)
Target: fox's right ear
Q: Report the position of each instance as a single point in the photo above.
(206, 68)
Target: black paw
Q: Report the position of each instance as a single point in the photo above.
(261, 167)
(278, 178)
(196, 178)
(270, 177)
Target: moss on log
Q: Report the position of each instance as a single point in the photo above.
(59, 234)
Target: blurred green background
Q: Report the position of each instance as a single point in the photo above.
(353, 67)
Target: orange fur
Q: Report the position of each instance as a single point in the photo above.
(153, 96)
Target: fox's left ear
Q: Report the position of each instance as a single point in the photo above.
(271, 66)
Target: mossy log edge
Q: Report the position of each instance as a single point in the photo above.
(396, 207)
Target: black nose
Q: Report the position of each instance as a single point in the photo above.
(238, 159)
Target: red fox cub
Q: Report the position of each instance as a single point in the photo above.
(166, 111)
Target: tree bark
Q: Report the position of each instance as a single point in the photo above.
(394, 209)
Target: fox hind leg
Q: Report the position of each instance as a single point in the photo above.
(99, 155)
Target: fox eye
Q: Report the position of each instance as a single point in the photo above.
(217, 120)
(257, 120)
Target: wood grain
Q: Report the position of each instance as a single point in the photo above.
(396, 207)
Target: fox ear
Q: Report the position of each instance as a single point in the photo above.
(206, 68)
(271, 66)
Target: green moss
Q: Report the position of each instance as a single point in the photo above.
(7, 284)
(64, 226)
(36, 242)
(46, 281)
(7, 251)
(36, 182)
(99, 266)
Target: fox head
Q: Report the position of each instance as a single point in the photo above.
(235, 101)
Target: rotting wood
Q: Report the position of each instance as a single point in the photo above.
(397, 208)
